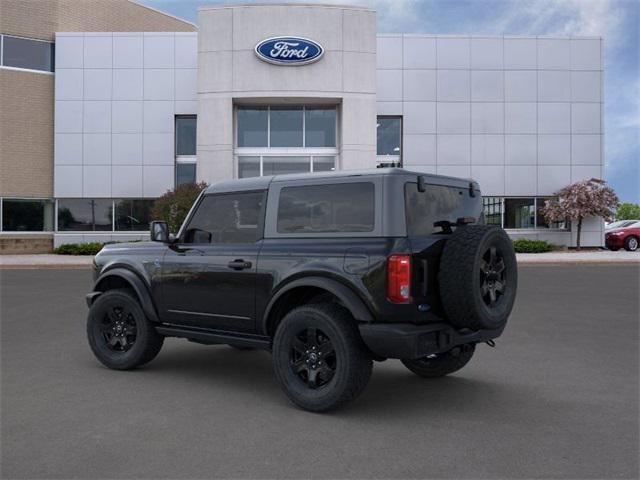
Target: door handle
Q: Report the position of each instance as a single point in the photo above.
(239, 264)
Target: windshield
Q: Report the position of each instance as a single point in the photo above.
(622, 224)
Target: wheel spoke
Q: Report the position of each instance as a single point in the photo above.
(499, 267)
(484, 266)
(300, 365)
(326, 349)
(299, 346)
(484, 289)
(113, 341)
(499, 287)
(312, 378)
(492, 296)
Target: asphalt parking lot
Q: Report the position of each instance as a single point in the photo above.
(557, 397)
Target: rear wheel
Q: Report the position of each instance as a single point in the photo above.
(119, 333)
(441, 364)
(631, 244)
(319, 358)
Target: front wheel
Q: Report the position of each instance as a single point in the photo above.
(441, 364)
(319, 358)
(119, 333)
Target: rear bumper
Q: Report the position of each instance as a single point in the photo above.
(405, 340)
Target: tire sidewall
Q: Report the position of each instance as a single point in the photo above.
(110, 358)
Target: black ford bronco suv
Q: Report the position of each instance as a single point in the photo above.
(328, 271)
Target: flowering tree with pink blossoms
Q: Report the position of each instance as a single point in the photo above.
(586, 198)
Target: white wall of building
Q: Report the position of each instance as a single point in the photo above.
(521, 115)
(116, 95)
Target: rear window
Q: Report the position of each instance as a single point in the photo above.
(437, 203)
(344, 207)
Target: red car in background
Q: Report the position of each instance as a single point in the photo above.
(627, 237)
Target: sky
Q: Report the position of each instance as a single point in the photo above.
(617, 21)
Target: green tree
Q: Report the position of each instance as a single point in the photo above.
(173, 206)
(628, 211)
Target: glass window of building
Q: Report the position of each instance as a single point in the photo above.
(389, 138)
(280, 139)
(320, 127)
(27, 215)
(133, 215)
(84, 215)
(186, 140)
(286, 127)
(346, 207)
(541, 221)
(253, 126)
(27, 53)
(227, 218)
(186, 135)
(519, 213)
(492, 210)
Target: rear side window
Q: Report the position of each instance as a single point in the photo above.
(227, 218)
(343, 207)
(437, 203)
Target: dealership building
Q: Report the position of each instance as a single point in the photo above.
(107, 105)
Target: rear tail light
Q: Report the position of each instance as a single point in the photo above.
(399, 278)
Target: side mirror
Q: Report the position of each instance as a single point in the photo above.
(159, 231)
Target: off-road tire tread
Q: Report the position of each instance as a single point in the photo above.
(455, 276)
(152, 346)
(359, 359)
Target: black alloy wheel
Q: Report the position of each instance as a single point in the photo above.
(313, 357)
(119, 333)
(119, 329)
(492, 277)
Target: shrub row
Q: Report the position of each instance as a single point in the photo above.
(89, 248)
(524, 245)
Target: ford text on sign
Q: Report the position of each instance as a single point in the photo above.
(289, 51)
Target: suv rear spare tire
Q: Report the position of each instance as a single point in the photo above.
(478, 277)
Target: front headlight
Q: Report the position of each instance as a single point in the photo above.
(616, 233)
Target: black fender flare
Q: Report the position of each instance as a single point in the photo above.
(136, 283)
(345, 294)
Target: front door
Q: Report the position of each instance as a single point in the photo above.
(208, 276)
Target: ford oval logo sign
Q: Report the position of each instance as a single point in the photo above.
(289, 51)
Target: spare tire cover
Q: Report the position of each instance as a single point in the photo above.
(478, 277)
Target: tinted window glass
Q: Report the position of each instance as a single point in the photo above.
(320, 127)
(389, 132)
(346, 207)
(519, 213)
(185, 173)
(286, 126)
(133, 215)
(186, 135)
(252, 127)
(25, 53)
(438, 203)
(232, 218)
(27, 215)
(83, 214)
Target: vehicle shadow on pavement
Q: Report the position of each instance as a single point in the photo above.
(392, 389)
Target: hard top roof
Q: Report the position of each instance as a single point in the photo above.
(262, 183)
